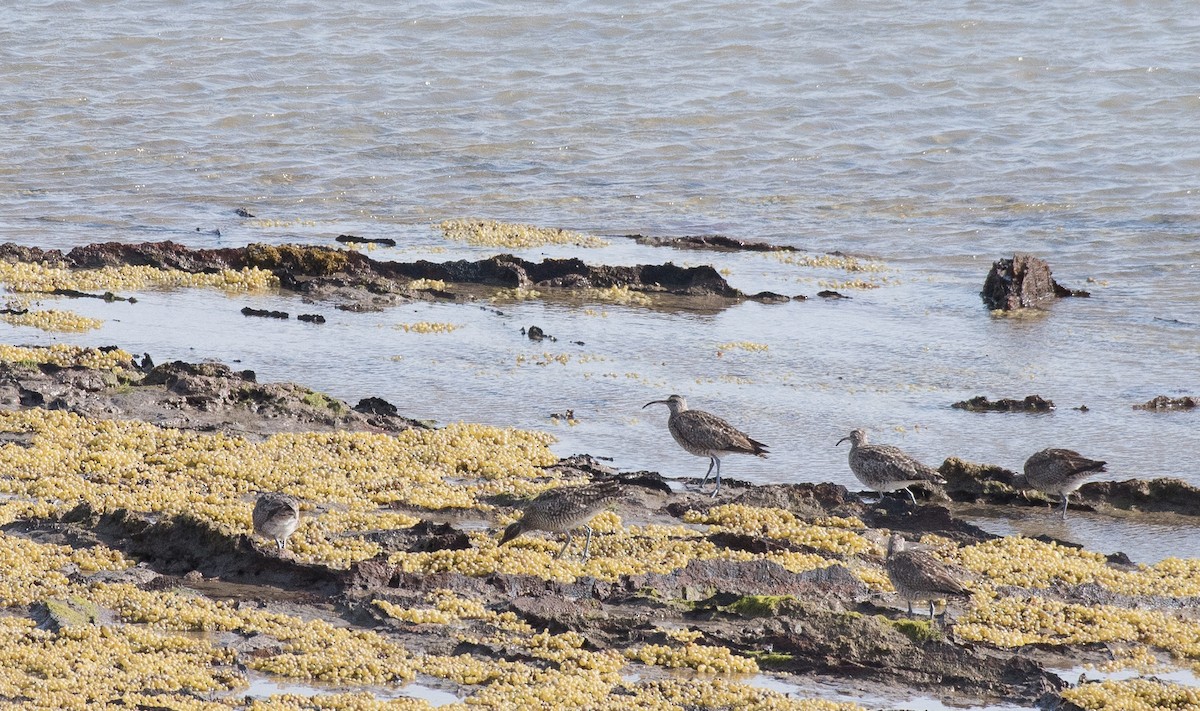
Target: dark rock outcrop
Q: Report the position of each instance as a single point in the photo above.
(307, 268)
(980, 403)
(1020, 283)
(1162, 402)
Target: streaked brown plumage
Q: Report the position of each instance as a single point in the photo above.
(276, 516)
(564, 509)
(1059, 471)
(882, 467)
(916, 575)
(706, 435)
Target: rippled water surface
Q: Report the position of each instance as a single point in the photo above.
(934, 136)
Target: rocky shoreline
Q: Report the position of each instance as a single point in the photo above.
(129, 487)
(829, 620)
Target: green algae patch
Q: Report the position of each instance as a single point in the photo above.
(919, 631)
(757, 605)
(321, 401)
(71, 612)
(771, 659)
(313, 261)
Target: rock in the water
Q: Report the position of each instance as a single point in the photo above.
(1162, 402)
(1020, 283)
(981, 403)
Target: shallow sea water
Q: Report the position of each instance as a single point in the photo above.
(936, 137)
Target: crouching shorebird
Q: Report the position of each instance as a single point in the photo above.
(1058, 471)
(883, 468)
(276, 516)
(706, 435)
(916, 575)
(564, 509)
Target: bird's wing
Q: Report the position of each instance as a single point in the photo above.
(928, 573)
(717, 434)
(1076, 463)
(888, 462)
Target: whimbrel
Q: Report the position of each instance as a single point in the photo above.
(706, 435)
(276, 516)
(916, 575)
(564, 509)
(882, 467)
(1059, 471)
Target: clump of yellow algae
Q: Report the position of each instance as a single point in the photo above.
(54, 320)
(1025, 562)
(427, 327)
(516, 294)
(112, 464)
(1133, 695)
(33, 277)
(832, 534)
(621, 551)
(705, 659)
(66, 356)
(830, 261)
(151, 654)
(749, 346)
(618, 294)
(490, 233)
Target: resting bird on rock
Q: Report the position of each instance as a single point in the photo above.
(882, 467)
(276, 516)
(1058, 471)
(916, 575)
(564, 509)
(706, 435)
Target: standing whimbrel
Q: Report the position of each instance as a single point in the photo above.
(916, 575)
(564, 509)
(1059, 471)
(706, 435)
(276, 516)
(882, 467)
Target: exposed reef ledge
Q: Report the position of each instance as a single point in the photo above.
(992, 484)
(311, 268)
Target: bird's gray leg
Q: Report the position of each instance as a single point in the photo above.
(911, 495)
(711, 462)
(564, 548)
(281, 543)
(718, 489)
(931, 611)
(910, 612)
(587, 546)
(1066, 498)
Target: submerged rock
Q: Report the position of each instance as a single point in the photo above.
(1162, 402)
(264, 313)
(352, 239)
(980, 403)
(1022, 282)
(712, 242)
